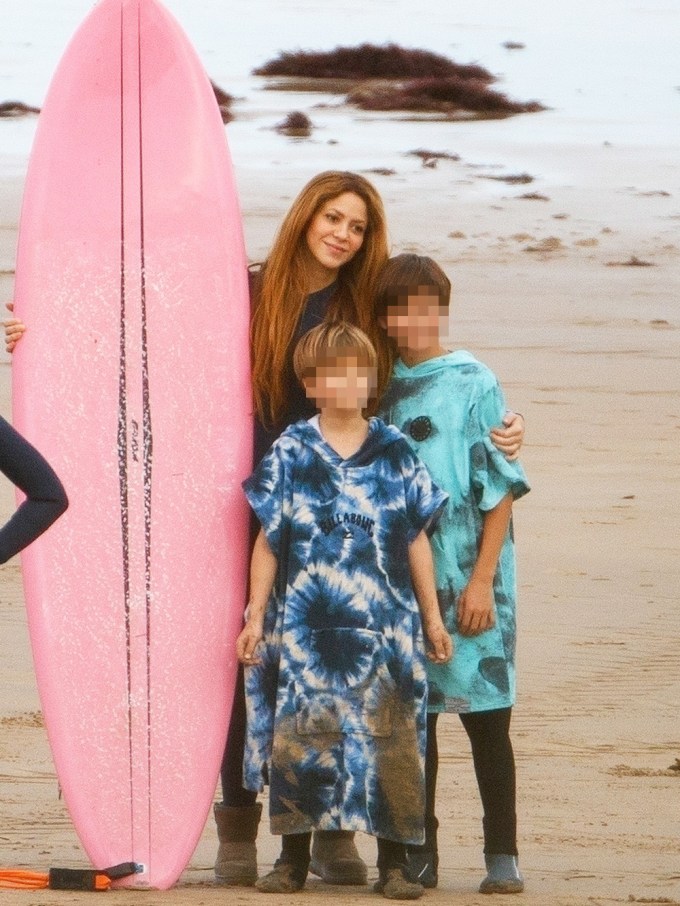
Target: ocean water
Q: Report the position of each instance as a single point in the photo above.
(609, 70)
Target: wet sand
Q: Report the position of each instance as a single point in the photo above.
(585, 342)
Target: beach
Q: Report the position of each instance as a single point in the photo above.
(571, 297)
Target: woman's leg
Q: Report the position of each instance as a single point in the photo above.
(231, 773)
(238, 816)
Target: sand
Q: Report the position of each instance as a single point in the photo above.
(586, 346)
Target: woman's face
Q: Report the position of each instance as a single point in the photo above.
(336, 233)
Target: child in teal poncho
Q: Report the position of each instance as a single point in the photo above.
(446, 403)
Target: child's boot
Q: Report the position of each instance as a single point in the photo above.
(290, 869)
(286, 877)
(335, 858)
(423, 861)
(236, 862)
(503, 875)
(396, 884)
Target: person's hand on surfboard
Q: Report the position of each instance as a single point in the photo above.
(14, 329)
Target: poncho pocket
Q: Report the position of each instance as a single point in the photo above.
(345, 686)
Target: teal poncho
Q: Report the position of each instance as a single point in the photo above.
(446, 407)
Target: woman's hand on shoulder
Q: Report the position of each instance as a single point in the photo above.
(14, 329)
(510, 437)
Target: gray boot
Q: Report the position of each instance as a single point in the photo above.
(236, 862)
(503, 875)
(335, 858)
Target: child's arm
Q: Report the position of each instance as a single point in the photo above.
(510, 437)
(422, 577)
(476, 604)
(262, 575)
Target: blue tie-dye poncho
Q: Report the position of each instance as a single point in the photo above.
(337, 707)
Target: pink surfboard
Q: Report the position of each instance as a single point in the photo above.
(133, 380)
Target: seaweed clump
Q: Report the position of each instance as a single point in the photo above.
(430, 159)
(390, 78)
(224, 102)
(11, 109)
(448, 96)
(370, 61)
(296, 124)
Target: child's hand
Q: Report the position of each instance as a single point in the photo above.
(14, 329)
(510, 438)
(247, 642)
(440, 644)
(476, 608)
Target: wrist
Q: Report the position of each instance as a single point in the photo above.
(432, 621)
(254, 615)
(482, 576)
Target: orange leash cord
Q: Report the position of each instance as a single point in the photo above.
(23, 880)
(15, 879)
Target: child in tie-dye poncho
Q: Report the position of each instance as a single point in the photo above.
(342, 588)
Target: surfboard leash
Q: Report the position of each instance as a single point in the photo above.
(67, 878)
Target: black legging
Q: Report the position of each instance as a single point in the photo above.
(233, 793)
(231, 772)
(494, 761)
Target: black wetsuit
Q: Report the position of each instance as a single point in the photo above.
(45, 496)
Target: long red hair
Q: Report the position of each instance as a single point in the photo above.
(281, 287)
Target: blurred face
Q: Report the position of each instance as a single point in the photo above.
(341, 382)
(336, 232)
(416, 318)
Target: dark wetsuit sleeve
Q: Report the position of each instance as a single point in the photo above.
(45, 496)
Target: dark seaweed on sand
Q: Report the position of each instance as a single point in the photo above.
(296, 124)
(224, 102)
(513, 179)
(448, 96)
(390, 78)
(371, 61)
(16, 108)
(424, 154)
